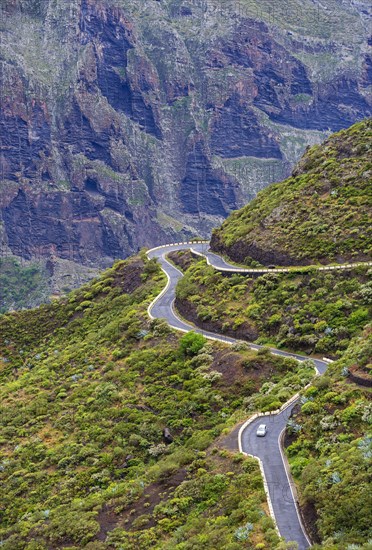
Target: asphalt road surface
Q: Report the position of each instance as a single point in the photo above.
(279, 483)
(268, 448)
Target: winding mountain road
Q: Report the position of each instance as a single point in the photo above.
(268, 450)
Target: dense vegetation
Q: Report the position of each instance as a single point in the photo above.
(113, 426)
(331, 450)
(21, 286)
(321, 213)
(313, 312)
(329, 443)
(89, 383)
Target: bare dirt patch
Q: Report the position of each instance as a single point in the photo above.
(144, 506)
(230, 441)
(128, 276)
(183, 258)
(243, 332)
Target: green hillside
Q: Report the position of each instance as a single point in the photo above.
(88, 384)
(330, 450)
(329, 438)
(119, 434)
(21, 286)
(315, 312)
(320, 214)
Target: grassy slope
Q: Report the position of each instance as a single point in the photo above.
(315, 312)
(318, 214)
(329, 438)
(88, 384)
(331, 451)
(21, 286)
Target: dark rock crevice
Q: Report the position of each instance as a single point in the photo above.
(204, 188)
(150, 118)
(68, 225)
(237, 133)
(80, 137)
(25, 133)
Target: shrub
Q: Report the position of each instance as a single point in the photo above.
(298, 464)
(191, 343)
(322, 383)
(309, 407)
(264, 351)
(272, 406)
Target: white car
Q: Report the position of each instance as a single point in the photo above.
(261, 430)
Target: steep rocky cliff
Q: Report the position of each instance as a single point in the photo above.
(131, 123)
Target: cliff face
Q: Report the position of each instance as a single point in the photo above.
(126, 124)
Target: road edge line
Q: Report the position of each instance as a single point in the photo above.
(160, 295)
(289, 476)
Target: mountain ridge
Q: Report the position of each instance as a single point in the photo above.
(146, 122)
(320, 214)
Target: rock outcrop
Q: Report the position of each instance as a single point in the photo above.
(130, 124)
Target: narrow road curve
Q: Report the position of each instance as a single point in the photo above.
(277, 480)
(202, 249)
